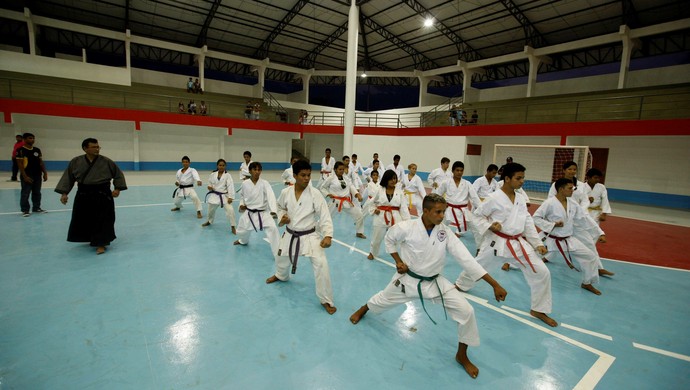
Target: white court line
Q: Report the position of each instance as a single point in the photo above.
(563, 324)
(353, 249)
(117, 207)
(662, 352)
(591, 377)
(647, 265)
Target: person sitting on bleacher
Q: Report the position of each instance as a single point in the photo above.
(197, 87)
(203, 110)
(191, 107)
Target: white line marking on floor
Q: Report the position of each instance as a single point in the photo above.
(662, 352)
(563, 324)
(352, 248)
(591, 377)
(647, 265)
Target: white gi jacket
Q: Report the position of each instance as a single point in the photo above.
(438, 176)
(224, 185)
(379, 198)
(327, 167)
(287, 176)
(399, 170)
(334, 186)
(600, 204)
(258, 196)
(306, 213)
(190, 176)
(367, 174)
(483, 187)
(519, 191)
(575, 219)
(244, 170)
(579, 194)
(413, 186)
(425, 254)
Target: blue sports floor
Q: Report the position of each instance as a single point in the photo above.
(172, 305)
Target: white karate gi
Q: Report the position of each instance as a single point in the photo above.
(385, 219)
(307, 212)
(600, 204)
(188, 177)
(399, 170)
(575, 219)
(356, 168)
(259, 197)
(287, 176)
(414, 191)
(226, 187)
(327, 167)
(244, 171)
(579, 194)
(342, 199)
(520, 191)
(496, 250)
(367, 174)
(483, 187)
(354, 178)
(425, 255)
(459, 197)
(438, 176)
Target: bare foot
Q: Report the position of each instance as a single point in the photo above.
(603, 272)
(234, 231)
(360, 235)
(100, 250)
(330, 309)
(505, 267)
(198, 214)
(357, 316)
(370, 257)
(175, 209)
(546, 319)
(273, 279)
(237, 242)
(591, 288)
(461, 357)
(205, 224)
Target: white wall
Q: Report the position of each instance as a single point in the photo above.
(164, 142)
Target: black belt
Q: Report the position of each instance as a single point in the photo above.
(261, 222)
(182, 186)
(296, 236)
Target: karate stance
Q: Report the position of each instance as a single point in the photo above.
(558, 218)
(340, 191)
(257, 207)
(303, 209)
(510, 236)
(419, 248)
(459, 194)
(484, 185)
(439, 175)
(414, 190)
(388, 206)
(221, 190)
(185, 179)
(244, 167)
(599, 208)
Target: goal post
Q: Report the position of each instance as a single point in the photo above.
(543, 163)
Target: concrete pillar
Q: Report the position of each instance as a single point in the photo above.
(128, 50)
(32, 31)
(534, 62)
(305, 87)
(423, 85)
(351, 78)
(201, 60)
(467, 90)
(629, 45)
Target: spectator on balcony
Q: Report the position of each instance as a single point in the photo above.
(191, 107)
(203, 110)
(197, 87)
(248, 110)
(303, 117)
(256, 110)
(190, 85)
(475, 117)
(180, 108)
(462, 116)
(453, 116)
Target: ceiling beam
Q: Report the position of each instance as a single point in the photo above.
(201, 39)
(533, 37)
(262, 51)
(308, 61)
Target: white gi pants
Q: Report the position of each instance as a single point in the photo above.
(584, 257)
(319, 264)
(456, 306)
(190, 193)
(229, 212)
(354, 211)
(244, 227)
(539, 282)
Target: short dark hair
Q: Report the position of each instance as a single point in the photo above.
(328, 149)
(25, 135)
(432, 199)
(375, 162)
(247, 153)
(445, 160)
(374, 172)
(458, 164)
(594, 172)
(338, 164)
(354, 155)
(220, 160)
(255, 164)
(346, 157)
(85, 143)
(387, 176)
(562, 182)
(186, 158)
(510, 169)
(569, 164)
(396, 157)
(300, 165)
(492, 167)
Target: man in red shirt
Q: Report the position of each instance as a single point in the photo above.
(17, 145)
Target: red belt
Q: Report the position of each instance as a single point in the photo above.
(512, 251)
(568, 259)
(459, 207)
(388, 210)
(342, 200)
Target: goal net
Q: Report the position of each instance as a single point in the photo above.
(544, 164)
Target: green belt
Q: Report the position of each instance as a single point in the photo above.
(419, 291)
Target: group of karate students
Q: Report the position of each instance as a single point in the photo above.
(495, 213)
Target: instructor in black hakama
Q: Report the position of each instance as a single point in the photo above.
(93, 213)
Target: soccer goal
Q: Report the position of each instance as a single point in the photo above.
(544, 164)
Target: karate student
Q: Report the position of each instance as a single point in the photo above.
(257, 207)
(185, 179)
(414, 190)
(460, 194)
(484, 185)
(355, 166)
(558, 218)
(303, 209)
(351, 174)
(419, 248)
(598, 209)
(510, 237)
(388, 206)
(221, 190)
(397, 168)
(244, 167)
(439, 175)
(375, 166)
(327, 164)
(375, 156)
(339, 190)
(287, 176)
(579, 191)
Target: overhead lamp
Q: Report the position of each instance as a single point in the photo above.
(428, 22)
(364, 74)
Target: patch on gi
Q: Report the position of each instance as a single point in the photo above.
(441, 235)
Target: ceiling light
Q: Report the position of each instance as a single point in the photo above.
(428, 22)
(364, 74)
